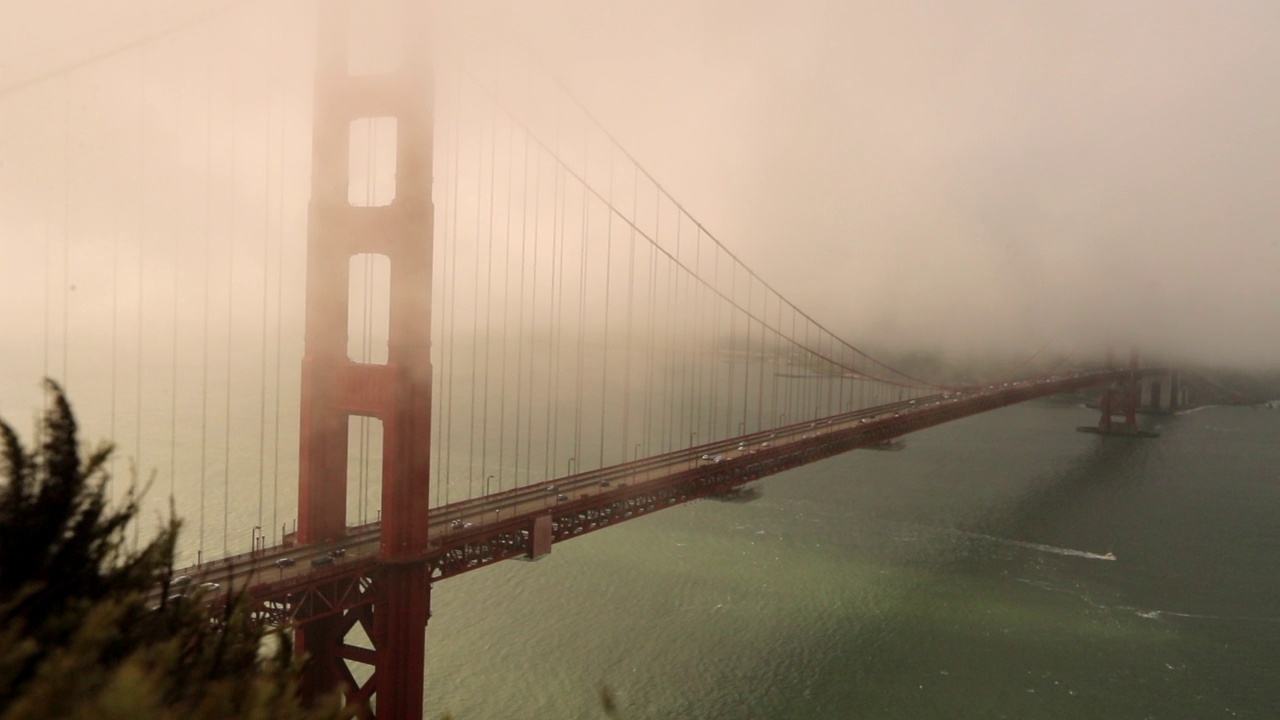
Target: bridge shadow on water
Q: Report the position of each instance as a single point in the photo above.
(1077, 504)
(991, 620)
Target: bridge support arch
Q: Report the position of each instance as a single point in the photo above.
(397, 225)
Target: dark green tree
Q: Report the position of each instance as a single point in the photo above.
(86, 630)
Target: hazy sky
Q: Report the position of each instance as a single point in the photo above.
(955, 175)
(1012, 171)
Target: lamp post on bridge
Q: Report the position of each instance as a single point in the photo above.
(255, 534)
(572, 460)
(487, 492)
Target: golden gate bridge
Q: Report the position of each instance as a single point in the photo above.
(377, 308)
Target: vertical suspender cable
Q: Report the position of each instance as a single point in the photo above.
(650, 387)
(437, 304)
(559, 284)
(746, 363)
(839, 375)
(506, 305)
(208, 242)
(730, 385)
(631, 299)
(364, 352)
(115, 325)
(792, 415)
(488, 298)
(672, 441)
(233, 194)
(533, 298)
(701, 370)
(475, 321)
(557, 314)
(671, 431)
(835, 394)
(48, 272)
(451, 275)
(776, 352)
(764, 313)
(701, 326)
(582, 302)
(811, 370)
(449, 258)
(712, 342)
(691, 370)
(173, 342)
(520, 302)
(819, 370)
(142, 216)
(366, 315)
(268, 97)
(668, 326)
(690, 345)
(275, 472)
(555, 290)
(731, 361)
(66, 231)
(608, 275)
(823, 401)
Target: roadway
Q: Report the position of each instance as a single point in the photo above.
(282, 566)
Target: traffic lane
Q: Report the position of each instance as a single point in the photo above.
(250, 569)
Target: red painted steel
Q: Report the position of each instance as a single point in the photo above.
(633, 489)
(394, 602)
(1122, 398)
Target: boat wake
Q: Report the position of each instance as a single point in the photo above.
(1157, 614)
(1148, 614)
(1044, 548)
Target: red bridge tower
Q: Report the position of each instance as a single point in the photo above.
(397, 392)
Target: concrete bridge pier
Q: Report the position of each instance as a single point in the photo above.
(1164, 393)
(1123, 400)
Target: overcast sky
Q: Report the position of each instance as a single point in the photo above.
(962, 176)
(1012, 171)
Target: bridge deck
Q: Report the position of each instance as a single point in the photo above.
(473, 533)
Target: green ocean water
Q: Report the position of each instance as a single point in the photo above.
(960, 578)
